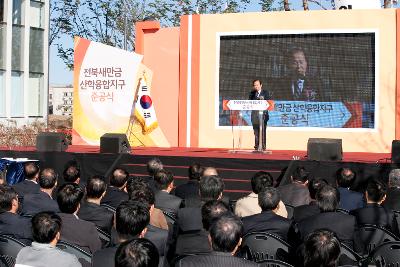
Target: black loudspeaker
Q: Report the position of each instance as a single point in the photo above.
(396, 151)
(324, 149)
(114, 143)
(47, 141)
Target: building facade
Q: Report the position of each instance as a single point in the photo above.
(24, 30)
(61, 100)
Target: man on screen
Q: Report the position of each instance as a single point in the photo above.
(259, 94)
(299, 86)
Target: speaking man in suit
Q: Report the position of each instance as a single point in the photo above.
(259, 94)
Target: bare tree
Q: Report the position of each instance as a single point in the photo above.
(286, 5)
(305, 5)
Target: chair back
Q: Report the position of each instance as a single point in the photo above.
(274, 263)
(386, 254)
(9, 248)
(110, 208)
(170, 217)
(105, 238)
(342, 211)
(264, 246)
(368, 237)
(348, 256)
(81, 254)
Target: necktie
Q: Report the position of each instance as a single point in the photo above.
(299, 87)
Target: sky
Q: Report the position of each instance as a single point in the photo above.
(60, 75)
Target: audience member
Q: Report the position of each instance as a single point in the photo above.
(209, 171)
(225, 238)
(136, 253)
(321, 249)
(72, 174)
(248, 205)
(392, 201)
(46, 227)
(373, 212)
(29, 185)
(76, 231)
(153, 166)
(11, 223)
(90, 209)
(304, 211)
(164, 200)
(267, 220)
(42, 200)
(191, 188)
(115, 193)
(349, 199)
(212, 210)
(343, 225)
(131, 220)
(296, 193)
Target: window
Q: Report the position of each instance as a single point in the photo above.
(2, 94)
(37, 14)
(17, 94)
(2, 10)
(50, 96)
(17, 48)
(17, 12)
(35, 93)
(2, 44)
(36, 46)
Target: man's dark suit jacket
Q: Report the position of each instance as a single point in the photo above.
(392, 201)
(264, 95)
(167, 202)
(305, 211)
(159, 237)
(190, 189)
(104, 257)
(343, 225)
(377, 215)
(26, 187)
(114, 196)
(267, 221)
(100, 216)
(294, 194)
(16, 226)
(350, 200)
(79, 232)
(312, 87)
(38, 202)
(215, 259)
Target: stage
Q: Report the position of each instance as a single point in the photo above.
(236, 168)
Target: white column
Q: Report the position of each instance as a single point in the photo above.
(8, 56)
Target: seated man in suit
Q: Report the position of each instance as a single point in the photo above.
(91, 210)
(267, 220)
(11, 223)
(164, 200)
(42, 200)
(392, 201)
(321, 248)
(343, 225)
(373, 212)
(191, 188)
(74, 230)
(137, 252)
(72, 174)
(46, 228)
(248, 205)
(304, 211)
(349, 199)
(296, 193)
(29, 185)
(153, 166)
(225, 238)
(115, 193)
(131, 220)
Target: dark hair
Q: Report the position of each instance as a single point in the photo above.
(95, 187)
(327, 198)
(118, 177)
(258, 81)
(314, 185)
(210, 187)
(163, 179)
(7, 195)
(45, 226)
(295, 50)
(376, 190)
(195, 171)
(268, 199)
(48, 178)
(321, 248)
(225, 233)
(137, 253)
(345, 177)
(300, 174)
(71, 174)
(261, 180)
(142, 192)
(131, 218)
(154, 165)
(68, 197)
(212, 210)
(31, 169)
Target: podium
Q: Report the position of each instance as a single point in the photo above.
(247, 105)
